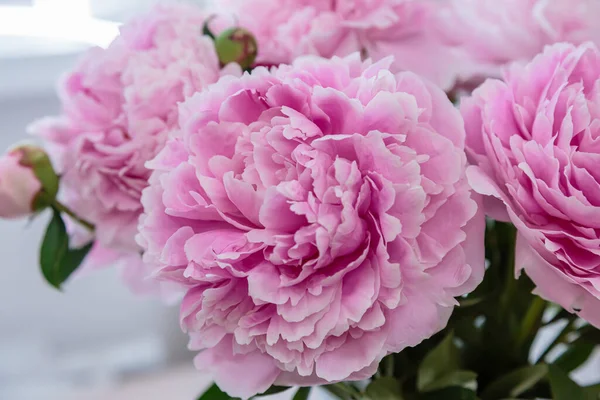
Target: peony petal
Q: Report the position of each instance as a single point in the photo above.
(327, 254)
(355, 355)
(230, 372)
(556, 288)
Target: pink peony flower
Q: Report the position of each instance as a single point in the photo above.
(118, 106)
(19, 186)
(494, 33)
(406, 29)
(536, 141)
(319, 217)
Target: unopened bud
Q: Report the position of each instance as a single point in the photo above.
(237, 45)
(28, 182)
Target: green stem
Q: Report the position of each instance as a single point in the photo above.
(507, 240)
(389, 365)
(58, 206)
(531, 320)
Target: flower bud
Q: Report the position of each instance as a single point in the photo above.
(28, 182)
(236, 45)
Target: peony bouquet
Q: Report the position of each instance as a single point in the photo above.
(390, 199)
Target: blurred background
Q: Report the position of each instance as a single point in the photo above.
(96, 340)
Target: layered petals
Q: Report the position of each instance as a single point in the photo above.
(492, 34)
(318, 215)
(535, 141)
(118, 107)
(406, 29)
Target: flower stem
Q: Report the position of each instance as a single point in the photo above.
(506, 243)
(58, 206)
(532, 318)
(389, 365)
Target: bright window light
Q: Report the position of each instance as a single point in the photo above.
(63, 20)
(79, 8)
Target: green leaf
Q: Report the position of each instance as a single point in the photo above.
(55, 247)
(36, 159)
(206, 30)
(440, 361)
(58, 262)
(471, 301)
(451, 393)
(74, 258)
(47, 177)
(561, 337)
(515, 382)
(459, 378)
(592, 392)
(577, 354)
(589, 334)
(274, 390)
(387, 388)
(466, 330)
(341, 390)
(302, 393)
(563, 388)
(214, 393)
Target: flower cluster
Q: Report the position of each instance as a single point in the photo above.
(119, 104)
(405, 29)
(448, 42)
(325, 208)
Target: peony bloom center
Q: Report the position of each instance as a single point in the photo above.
(318, 215)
